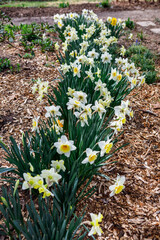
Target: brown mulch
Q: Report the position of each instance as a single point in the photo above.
(50, 11)
(133, 214)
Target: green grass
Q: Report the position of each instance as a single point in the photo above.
(26, 4)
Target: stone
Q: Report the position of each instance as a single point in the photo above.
(155, 30)
(146, 23)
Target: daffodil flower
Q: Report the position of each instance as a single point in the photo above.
(95, 224)
(118, 186)
(64, 146)
(52, 111)
(74, 104)
(91, 156)
(50, 176)
(105, 146)
(99, 108)
(45, 191)
(58, 165)
(35, 124)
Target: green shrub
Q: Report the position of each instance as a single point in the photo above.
(105, 4)
(63, 5)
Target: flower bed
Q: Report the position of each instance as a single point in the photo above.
(83, 122)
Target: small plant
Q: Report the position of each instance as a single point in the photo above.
(140, 36)
(63, 5)
(157, 20)
(105, 4)
(28, 56)
(130, 24)
(5, 63)
(6, 32)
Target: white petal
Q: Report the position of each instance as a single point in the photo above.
(85, 160)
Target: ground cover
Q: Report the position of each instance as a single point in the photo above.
(134, 223)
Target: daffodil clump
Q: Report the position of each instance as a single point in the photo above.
(88, 44)
(41, 87)
(45, 180)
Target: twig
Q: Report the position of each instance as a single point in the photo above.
(148, 111)
(11, 44)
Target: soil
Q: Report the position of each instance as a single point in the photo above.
(135, 213)
(50, 11)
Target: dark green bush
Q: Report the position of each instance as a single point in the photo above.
(105, 4)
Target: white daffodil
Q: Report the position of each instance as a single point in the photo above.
(118, 186)
(70, 92)
(90, 74)
(93, 54)
(87, 110)
(73, 53)
(130, 36)
(99, 85)
(64, 46)
(58, 165)
(123, 109)
(41, 96)
(80, 96)
(60, 24)
(82, 118)
(133, 82)
(82, 27)
(76, 69)
(119, 61)
(58, 125)
(34, 88)
(113, 74)
(141, 80)
(50, 176)
(56, 45)
(99, 108)
(35, 124)
(31, 182)
(105, 146)
(122, 51)
(74, 104)
(109, 19)
(95, 224)
(104, 48)
(106, 57)
(105, 93)
(43, 87)
(116, 125)
(98, 73)
(84, 45)
(52, 111)
(91, 156)
(64, 146)
(65, 68)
